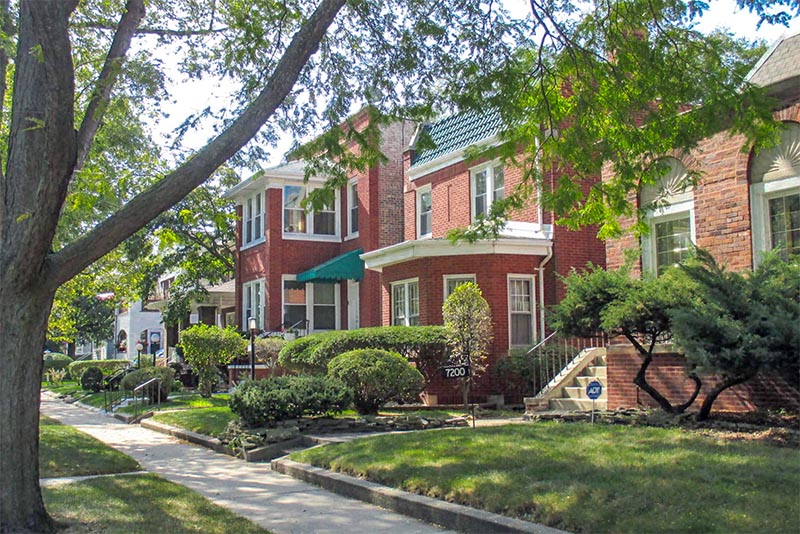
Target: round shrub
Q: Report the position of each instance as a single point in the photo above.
(55, 361)
(376, 377)
(166, 374)
(108, 367)
(92, 379)
(262, 402)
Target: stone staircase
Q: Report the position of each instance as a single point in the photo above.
(573, 397)
(567, 392)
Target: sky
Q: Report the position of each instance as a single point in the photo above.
(721, 14)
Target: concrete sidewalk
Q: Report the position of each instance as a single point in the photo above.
(276, 502)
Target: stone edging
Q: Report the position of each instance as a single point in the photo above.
(446, 514)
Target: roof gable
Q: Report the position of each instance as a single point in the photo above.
(457, 132)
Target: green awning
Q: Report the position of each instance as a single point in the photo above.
(348, 266)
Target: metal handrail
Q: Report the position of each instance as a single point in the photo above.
(142, 386)
(542, 342)
(550, 366)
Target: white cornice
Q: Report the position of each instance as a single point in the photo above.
(275, 177)
(376, 260)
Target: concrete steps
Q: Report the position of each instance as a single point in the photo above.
(573, 395)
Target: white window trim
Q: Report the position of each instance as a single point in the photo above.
(489, 168)
(404, 282)
(420, 192)
(308, 236)
(760, 195)
(310, 303)
(446, 278)
(352, 202)
(261, 239)
(672, 212)
(534, 326)
(261, 320)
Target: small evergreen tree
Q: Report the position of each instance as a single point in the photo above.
(638, 309)
(744, 323)
(468, 319)
(205, 347)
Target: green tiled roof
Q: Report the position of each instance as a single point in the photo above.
(457, 132)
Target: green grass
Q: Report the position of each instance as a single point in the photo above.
(65, 451)
(588, 478)
(186, 401)
(139, 503)
(208, 421)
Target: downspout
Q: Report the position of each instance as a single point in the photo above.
(541, 288)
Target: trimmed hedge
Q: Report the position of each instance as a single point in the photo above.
(268, 349)
(376, 377)
(166, 374)
(108, 367)
(425, 346)
(262, 402)
(55, 360)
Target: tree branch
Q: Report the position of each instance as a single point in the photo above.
(160, 32)
(143, 208)
(134, 12)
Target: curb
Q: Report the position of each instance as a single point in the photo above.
(442, 513)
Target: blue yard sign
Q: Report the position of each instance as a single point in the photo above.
(594, 390)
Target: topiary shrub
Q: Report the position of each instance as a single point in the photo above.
(166, 374)
(55, 361)
(92, 379)
(268, 349)
(425, 346)
(263, 402)
(376, 377)
(205, 347)
(108, 367)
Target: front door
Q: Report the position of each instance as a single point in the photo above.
(353, 318)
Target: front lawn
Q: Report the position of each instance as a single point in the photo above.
(588, 478)
(208, 421)
(184, 401)
(139, 503)
(65, 451)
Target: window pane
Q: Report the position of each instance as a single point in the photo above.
(398, 304)
(413, 299)
(294, 292)
(325, 223)
(521, 329)
(453, 283)
(499, 183)
(672, 242)
(353, 208)
(324, 317)
(784, 215)
(324, 293)
(293, 196)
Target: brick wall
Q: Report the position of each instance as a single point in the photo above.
(667, 374)
(721, 199)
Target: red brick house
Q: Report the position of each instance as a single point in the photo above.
(443, 191)
(302, 270)
(743, 204)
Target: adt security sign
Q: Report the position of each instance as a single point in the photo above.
(594, 390)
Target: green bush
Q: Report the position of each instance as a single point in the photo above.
(425, 346)
(268, 349)
(205, 347)
(166, 374)
(108, 367)
(262, 402)
(55, 361)
(92, 379)
(376, 377)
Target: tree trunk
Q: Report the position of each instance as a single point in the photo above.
(708, 402)
(641, 380)
(23, 323)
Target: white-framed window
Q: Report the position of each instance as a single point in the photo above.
(298, 222)
(452, 281)
(488, 184)
(316, 303)
(253, 219)
(521, 311)
(670, 217)
(424, 212)
(253, 303)
(352, 208)
(405, 302)
(775, 195)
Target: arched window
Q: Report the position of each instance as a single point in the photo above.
(775, 195)
(122, 340)
(670, 215)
